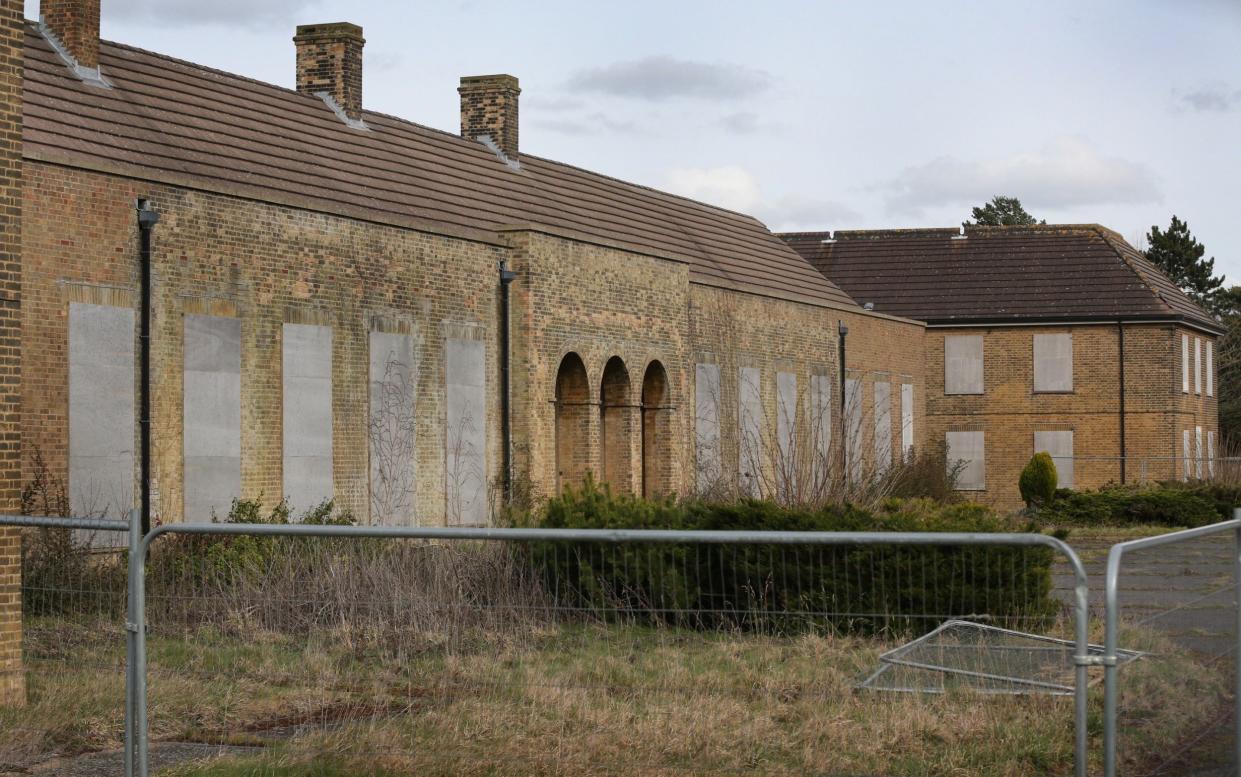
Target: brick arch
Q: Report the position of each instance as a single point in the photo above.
(573, 405)
(656, 432)
(617, 426)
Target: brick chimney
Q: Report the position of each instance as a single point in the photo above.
(75, 23)
(329, 62)
(489, 108)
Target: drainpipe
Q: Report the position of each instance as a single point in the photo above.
(1120, 332)
(843, 330)
(507, 276)
(147, 219)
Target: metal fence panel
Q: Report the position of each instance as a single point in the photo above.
(1174, 595)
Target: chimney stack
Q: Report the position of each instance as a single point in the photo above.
(329, 62)
(489, 109)
(75, 23)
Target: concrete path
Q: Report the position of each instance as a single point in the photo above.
(162, 756)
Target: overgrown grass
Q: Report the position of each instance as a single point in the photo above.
(571, 700)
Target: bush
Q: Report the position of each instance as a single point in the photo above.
(1163, 504)
(786, 588)
(235, 557)
(925, 475)
(1038, 480)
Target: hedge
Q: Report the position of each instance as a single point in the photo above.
(856, 589)
(1170, 504)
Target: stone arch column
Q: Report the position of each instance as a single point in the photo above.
(617, 427)
(574, 448)
(656, 432)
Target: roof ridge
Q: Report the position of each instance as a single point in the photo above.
(722, 246)
(401, 119)
(1109, 238)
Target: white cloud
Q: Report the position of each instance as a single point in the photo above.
(1067, 172)
(662, 78)
(591, 124)
(1209, 100)
(798, 213)
(729, 187)
(746, 123)
(190, 13)
(735, 188)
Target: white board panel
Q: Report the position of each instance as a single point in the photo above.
(968, 450)
(1059, 445)
(465, 464)
(750, 430)
(707, 426)
(211, 416)
(102, 414)
(307, 364)
(391, 432)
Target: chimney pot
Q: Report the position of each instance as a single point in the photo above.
(329, 61)
(75, 23)
(489, 108)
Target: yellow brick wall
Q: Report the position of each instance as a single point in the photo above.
(738, 330)
(12, 679)
(1009, 412)
(600, 303)
(267, 265)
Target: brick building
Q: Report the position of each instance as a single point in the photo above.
(350, 306)
(1060, 338)
(347, 305)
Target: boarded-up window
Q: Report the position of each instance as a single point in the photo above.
(853, 428)
(212, 415)
(393, 380)
(1059, 445)
(907, 420)
(1197, 365)
(1210, 454)
(1185, 364)
(821, 423)
(1210, 369)
(786, 426)
(307, 361)
(963, 366)
(465, 464)
(1053, 362)
(1199, 459)
(1186, 455)
(101, 413)
(883, 426)
(966, 453)
(749, 430)
(707, 426)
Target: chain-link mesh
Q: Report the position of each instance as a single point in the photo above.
(73, 653)
(1178, 602)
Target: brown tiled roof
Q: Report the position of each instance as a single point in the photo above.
(172, 121)
(995, 274)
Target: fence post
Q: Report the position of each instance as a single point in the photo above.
(1236, 689)
(12, 678)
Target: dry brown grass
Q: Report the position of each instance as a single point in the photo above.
(576, 700)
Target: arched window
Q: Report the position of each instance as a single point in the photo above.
(616, 428)
(572, 422)
(656, 417)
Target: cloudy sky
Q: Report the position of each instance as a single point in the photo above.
(810, 115)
